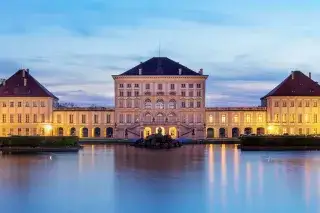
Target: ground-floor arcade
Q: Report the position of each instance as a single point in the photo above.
(233, 132)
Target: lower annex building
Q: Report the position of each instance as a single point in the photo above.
(158, 93)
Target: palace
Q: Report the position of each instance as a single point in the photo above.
(158, 93)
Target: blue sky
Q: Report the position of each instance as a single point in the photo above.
(73, 47)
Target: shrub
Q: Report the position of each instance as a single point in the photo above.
(40, 141)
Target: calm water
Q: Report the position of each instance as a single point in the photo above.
(191, 179)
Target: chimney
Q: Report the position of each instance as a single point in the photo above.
(201, 71)
(180, 71)
(23, 73)
(292, 75)
(309, 74)
(24, 82)
(140, 71)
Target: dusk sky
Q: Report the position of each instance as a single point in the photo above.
(74, 46)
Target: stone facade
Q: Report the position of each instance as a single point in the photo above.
(171, 98)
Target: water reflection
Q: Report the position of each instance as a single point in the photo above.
(210, 178)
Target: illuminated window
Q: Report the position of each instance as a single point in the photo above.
(284, 130)
(236, 118)
(284, 117)
(300, 118)
(292, 118)
(300, 131)
(315, 118)
(223, 119)
(211, 119)
(276, 118)
(308, 131)
(248, 118)
(306, 118)
(315, 130)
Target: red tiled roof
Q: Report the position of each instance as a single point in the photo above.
(14, 86)
(296, 84)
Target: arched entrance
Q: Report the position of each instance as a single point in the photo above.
(73, 131)
(60, 131)
(222, 133)
(84, 132)
(162, 130)
(173, 132)
(146, 132)
(97, 132)
(109, 132)
(247, 130)
(210, 133)
(235, 132)
(260, 131)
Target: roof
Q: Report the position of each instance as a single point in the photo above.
(296, 84)
(160, 66)
(14, 86)
(236, 109)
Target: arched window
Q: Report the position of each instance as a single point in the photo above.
(172, 117)
(160, 118)
(172, 104)
(160, 104)
(148, 117)
(147, 104)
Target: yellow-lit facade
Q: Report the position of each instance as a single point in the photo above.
(143, 104)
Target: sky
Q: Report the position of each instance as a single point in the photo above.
(246, 47)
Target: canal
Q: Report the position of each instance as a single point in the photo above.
(123, 179)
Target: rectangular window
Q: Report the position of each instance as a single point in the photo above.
(4, 104)
(58, 119)
(276, 104)
(4, 118)
(183, 104)
(121, 105)
(129, 103)
(27, 131)
(223, 119)
(276, 118)
(307, 103)
(120, 85)
(198, 86)
(235, 118)
(19, 104)
(190, 86)
(19, 118)
(34, 131)
(300, 104)
(183, 85)
(198, 93)
(260, 118)
(19, 131)
(183, 93)
(34, 104)
(95, 119)
(83, 119)
(292, 118)
(129, 94)
(42, 118)
(315, 104)
(284, 104)
(315, 118)
(42, 104)
(71, 119)
(121, 93)
(11, 104)
(137, 103)
(284, 118)
(147, 86)
(190, 93)
(248, 118)
(172, 86)
(128, 85)
(159, 86)
(41, 131)
(27, 104)
(27, 119)
(136, 85)
(108, 118)
(300, 118)
(191, 104)
(121, 119)
(129, 118)
(11, 118)
(136, 93)
(291, 103)
(315, 131)
(35, 120)
(11, 131)
(198, 104)
(4, 132)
